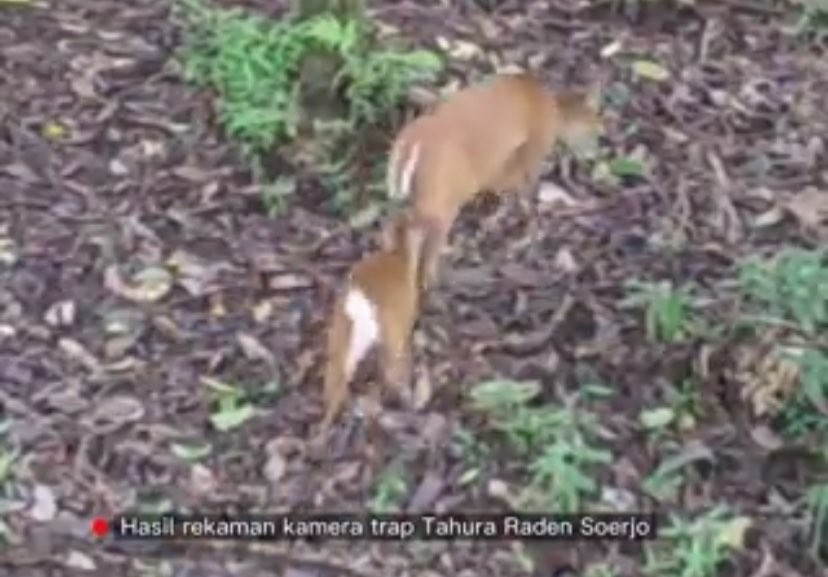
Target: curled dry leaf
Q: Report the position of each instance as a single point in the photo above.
(810, 207)
(611, 49)
(275, 467)
(500, 490)
(7, 331)
(428, 491)
(196, 277)
(551, 194)
(77, 352)
(650, 70)
(8, 254)
(253, 349)
(767, 380)
(114, 412)
(290, 281)
(149, 285)
(44, 508)
(565, 261)
(766, 438)
(459, 49)
(81, 561)
(262, 311)
(618, 499)
(202, 480)
(423, 390)
(770, 217)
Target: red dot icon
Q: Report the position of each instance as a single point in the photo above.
(100, 527)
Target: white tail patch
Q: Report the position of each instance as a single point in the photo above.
(399, 182)
(364, 327)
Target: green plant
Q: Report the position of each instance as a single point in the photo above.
(816, 500)
(814, 16)
(695, 548)
(668, 311)
(791, 286)
(790, 290)
(807, 409)
(556, 440)
(600, 570)
(391, 488)
(255, 66)
(474, 452)
(232, 408)
(559, 474)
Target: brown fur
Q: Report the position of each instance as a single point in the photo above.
(494, 136)
(389, 279)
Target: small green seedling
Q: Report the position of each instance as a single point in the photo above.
(231, 409)
(696, 548)
(668, 311)
(391, 489)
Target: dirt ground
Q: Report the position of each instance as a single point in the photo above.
(110, 163)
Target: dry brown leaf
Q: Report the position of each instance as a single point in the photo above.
(217, 308)
(80, 561)
(262, 311)
(770, 217)
(116, 411)
(565, 261)
(290, 281)
(76, 351)
(192, 274)
(253, 349)
(275, 467)
(767, 379)
(149, 285)
(45, 506)
(550, 193)
(423, 390)
(766, 438)
(202, 480)
(810, 206)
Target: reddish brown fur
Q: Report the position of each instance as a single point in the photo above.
(389, 279)
(494, 136)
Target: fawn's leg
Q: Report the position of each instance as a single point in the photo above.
(432, 253)
(397, 367)
(337, 373)
(335, 391)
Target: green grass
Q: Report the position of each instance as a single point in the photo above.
(558, 443)
(253, 65)
(390, 490)
(696, 548)
(668, 311)
(814, 17)
(790, 290)
(816, 500)
(791, 286)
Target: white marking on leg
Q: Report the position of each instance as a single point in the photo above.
(391, 176)
(364, 327)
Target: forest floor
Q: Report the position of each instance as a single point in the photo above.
(140, 278)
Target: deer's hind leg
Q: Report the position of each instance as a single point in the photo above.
(396, 362)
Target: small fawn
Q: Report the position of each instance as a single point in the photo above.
(378, 308)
